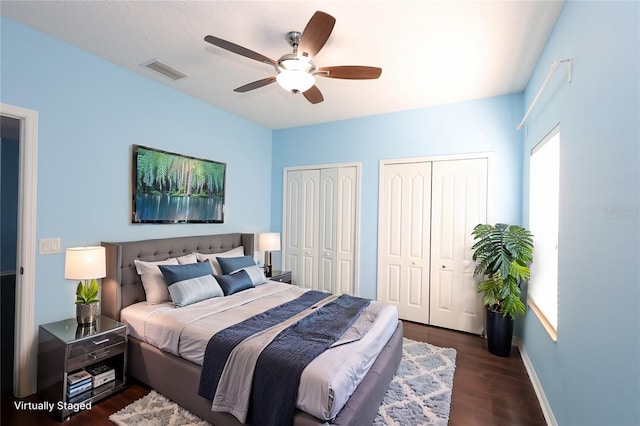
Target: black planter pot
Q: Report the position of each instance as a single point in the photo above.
(499, 333)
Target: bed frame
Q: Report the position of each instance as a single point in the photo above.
(178, 379)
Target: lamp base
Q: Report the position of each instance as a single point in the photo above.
(267, 263)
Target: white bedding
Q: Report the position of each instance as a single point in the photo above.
(326, 384)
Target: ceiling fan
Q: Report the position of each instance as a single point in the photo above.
(296, 71)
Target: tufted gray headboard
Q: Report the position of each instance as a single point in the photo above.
(122, 285)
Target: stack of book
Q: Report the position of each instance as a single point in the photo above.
(101, 374)
(78, 383)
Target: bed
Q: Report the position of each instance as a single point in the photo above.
(178, 378)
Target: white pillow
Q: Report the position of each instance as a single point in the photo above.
(187, 258)
(235, 252)
(153, 281)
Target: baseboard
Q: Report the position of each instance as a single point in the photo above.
(537, 386)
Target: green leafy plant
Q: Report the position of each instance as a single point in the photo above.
(502, 254)
(87, 292)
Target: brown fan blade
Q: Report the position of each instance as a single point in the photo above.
(350, 72)
(255, 85)
(316, 34)
(232, 47)
(313, 95)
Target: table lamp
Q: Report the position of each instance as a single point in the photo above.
(86, 264)
(269, 241)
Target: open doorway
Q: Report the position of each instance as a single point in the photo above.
(25, 333)
(9, 176)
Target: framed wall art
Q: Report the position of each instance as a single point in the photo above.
(175, 188)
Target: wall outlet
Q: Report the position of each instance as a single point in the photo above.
(49, 246)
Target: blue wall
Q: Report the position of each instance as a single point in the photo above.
(90, 114)
(487, 125)
(591, 375)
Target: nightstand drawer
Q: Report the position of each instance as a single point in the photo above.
(95, 343)
(83, 360)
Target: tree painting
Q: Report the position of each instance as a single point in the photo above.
(167, 181)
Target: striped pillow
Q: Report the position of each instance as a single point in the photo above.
(190, 283)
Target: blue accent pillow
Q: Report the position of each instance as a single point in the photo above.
(190, 283)
(175, 273)
(234, 283)
(232, 264)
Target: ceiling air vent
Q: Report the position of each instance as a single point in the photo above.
(164, 69)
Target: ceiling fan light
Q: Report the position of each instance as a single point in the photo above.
(295, 80)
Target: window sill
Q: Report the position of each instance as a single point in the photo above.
(545, 323)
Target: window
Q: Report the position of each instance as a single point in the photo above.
(544, 200)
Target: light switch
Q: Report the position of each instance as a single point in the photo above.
(49, 246)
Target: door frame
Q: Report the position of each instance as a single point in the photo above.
(358, 166)
(434, 158)
(24, 367)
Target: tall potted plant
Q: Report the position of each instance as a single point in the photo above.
(502, 254)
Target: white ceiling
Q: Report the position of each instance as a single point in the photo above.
(430, 52)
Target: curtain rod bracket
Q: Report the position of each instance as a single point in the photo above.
(569, 69)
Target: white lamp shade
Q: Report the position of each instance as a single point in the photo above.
(269, 241)
(85, 263)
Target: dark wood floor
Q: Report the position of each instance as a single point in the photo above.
(487, 390)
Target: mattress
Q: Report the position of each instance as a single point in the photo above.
(326, 384)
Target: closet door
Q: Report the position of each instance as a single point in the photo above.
(459, 202)
(403, 239)
(292, 239)
(327, 230)
(320, 225)
(346, 231)
(301, 227)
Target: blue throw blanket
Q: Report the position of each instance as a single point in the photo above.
(222, 343)
(280, 365)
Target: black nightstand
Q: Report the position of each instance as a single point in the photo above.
(64, 348)
(282, 276)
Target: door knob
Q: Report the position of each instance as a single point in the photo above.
(444, 266)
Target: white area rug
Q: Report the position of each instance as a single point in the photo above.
(420, 394)
(155, 410)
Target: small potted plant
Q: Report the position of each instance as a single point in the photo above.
(87, 302)
(502, 254)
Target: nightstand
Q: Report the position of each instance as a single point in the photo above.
(64, 348)
(282, 276)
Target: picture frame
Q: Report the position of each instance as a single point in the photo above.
(173, 188)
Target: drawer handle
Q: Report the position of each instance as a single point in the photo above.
(99, 342)
(101, 355)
